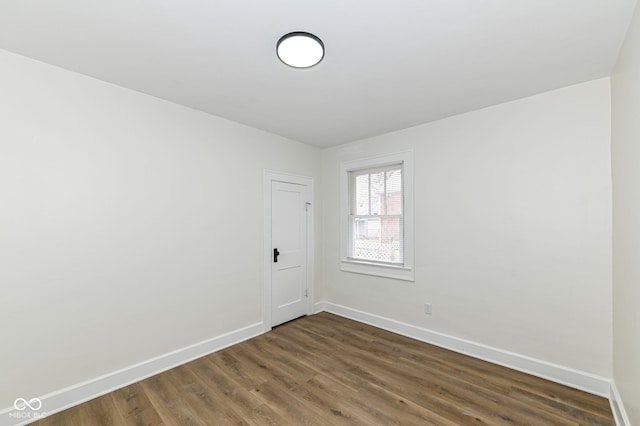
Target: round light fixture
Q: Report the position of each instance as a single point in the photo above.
(300, 49)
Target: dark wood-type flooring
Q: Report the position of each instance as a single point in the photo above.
(326, 370)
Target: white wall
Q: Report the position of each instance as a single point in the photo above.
(625, 141)
(122, 237)
(513, 228)
(129, 226)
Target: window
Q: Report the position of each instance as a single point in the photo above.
(377, 216)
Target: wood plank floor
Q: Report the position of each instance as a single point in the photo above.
(328, 370)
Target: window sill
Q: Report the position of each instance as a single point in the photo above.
(379, 270)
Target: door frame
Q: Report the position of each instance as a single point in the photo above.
(269, 177)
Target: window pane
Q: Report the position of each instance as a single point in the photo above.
(394, 191)
(379, 239)
(377, 192)
(362, 194)
(391, 239)
(367, 239)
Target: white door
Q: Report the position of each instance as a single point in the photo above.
(288, 252)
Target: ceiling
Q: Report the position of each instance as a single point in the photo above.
(388, 65)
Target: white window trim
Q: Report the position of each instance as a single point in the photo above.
(407, 271)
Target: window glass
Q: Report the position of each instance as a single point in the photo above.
(376, 215)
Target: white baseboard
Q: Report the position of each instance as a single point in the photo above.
(581, 380)
(319, 307)
(617, 407)
(82, 392)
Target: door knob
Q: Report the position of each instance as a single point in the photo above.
(276, 253)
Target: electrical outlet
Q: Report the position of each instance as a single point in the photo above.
(427, 308)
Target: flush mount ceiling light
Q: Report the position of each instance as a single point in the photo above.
(300, 49)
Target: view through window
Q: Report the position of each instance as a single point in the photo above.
(376, 215)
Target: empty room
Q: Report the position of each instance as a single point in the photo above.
(420, 212)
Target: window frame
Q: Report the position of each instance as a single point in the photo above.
(405, 271)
